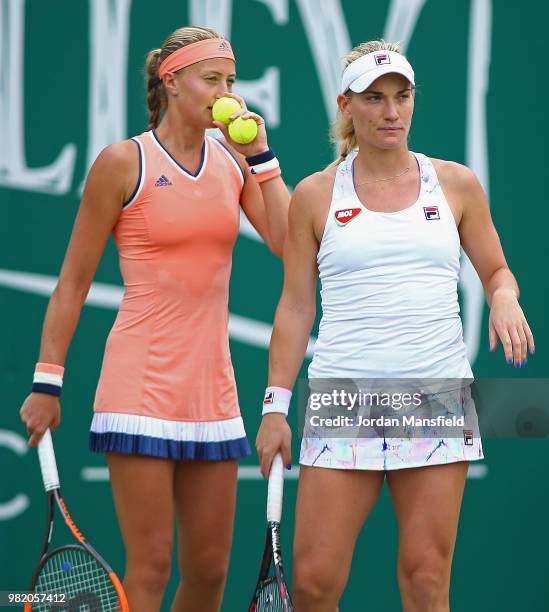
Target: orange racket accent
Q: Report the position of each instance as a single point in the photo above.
(70, 523)
(124, 607)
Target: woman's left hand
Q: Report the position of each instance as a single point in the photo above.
(259, 144)
(507, 321)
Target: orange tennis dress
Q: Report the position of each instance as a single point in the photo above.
(167, 386)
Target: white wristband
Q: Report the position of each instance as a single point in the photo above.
(272, 164)
(277, 399)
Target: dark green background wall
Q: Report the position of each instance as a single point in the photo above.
(500, 562)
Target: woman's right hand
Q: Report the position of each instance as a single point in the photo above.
(274, 436)
(40, 412)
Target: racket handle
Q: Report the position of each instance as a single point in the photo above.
(48, 464)
(275, 489)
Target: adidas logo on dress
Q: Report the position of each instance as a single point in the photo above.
(163, 181)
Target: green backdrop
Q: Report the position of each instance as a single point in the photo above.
(71, 82)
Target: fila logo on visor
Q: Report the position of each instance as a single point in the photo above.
(269, 397)
(382, 58)
(345, 215)
(431, 213)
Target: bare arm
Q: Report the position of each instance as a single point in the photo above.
(296, 309)
(294, 316)
(265, 204)
(111, 180)
(481, 243)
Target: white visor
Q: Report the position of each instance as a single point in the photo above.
(361, 73)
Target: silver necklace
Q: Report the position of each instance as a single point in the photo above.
(389, 178)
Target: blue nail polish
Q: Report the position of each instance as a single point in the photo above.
(289, 466)
(509, 362)
(518, 365)
(524, 361)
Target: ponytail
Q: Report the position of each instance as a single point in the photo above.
(156, 98)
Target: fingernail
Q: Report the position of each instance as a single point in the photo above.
(533, 350)
(517, 365)
(524, 361)
(289, 466)
(509, 362)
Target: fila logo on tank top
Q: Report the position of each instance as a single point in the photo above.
(389, 286)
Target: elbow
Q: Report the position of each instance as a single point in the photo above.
(304, 311)
(276, 244)
(73, 292)
(277, 250)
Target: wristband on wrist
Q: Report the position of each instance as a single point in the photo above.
(277, 399)
(260, 158)
(264, 166)
(48, 378)
(267, 176)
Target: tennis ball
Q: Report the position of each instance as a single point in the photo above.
(243, 131)
(224, 108)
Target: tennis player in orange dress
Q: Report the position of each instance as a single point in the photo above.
(166, 409)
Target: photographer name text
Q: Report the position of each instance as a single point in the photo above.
(405, 421)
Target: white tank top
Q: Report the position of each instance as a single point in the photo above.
(389, 287)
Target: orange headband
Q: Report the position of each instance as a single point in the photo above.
(196, 52)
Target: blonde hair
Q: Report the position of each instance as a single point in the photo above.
(157, 100)
(342, 131)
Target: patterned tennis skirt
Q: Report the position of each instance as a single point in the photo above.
(380, 449)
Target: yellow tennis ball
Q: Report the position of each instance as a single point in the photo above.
(224, 108)
(243, 131)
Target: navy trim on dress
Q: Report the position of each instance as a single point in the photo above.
(202, 156)
(139, 176)
(168, 449)
(233, 156)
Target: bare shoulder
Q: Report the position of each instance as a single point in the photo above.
(118, 156)
(115, 169)
(455, 176)
(463, 190)
(316, 187)
(311, 201)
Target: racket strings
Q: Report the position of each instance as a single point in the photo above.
(85, 582)
(269, 598)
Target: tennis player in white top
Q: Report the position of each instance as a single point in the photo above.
(383, 227)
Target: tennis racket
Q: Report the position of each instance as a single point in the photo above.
(75, 569)
(272, 593)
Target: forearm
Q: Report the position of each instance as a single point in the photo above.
(291, 332)
(502, 279)
(60, 323)
(277, 200)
